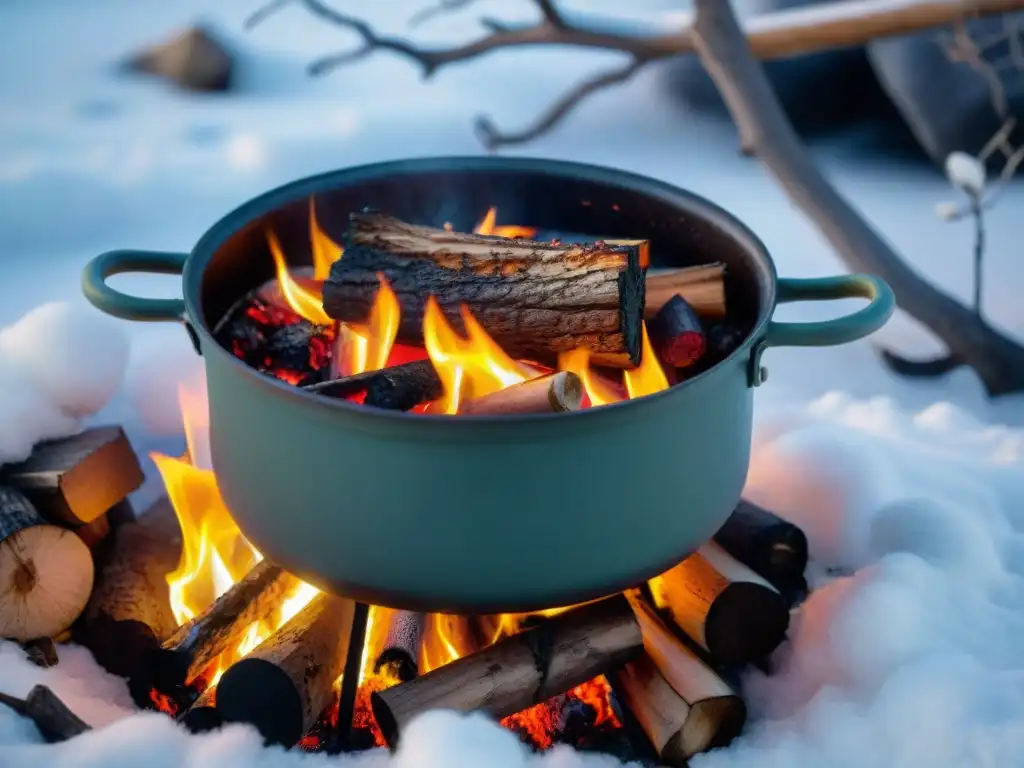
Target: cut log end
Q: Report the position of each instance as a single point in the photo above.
(746, 621)
(259, 692)
(555, 393)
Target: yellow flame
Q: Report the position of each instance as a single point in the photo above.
(362, 348)
(304, 303)
(488, 226)
(648, 377)
(325, 250)
(578, 361)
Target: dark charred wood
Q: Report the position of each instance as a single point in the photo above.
(771, 546)
(49, 714)
(283, 685)
(519, 671)
(74, 480)
(344, 736)
(535, 299)
(676, 334)
(121, 513)
(129, 613)
(724, 606)
(400, 655)
(290, 348)
(723, 339)
(202, 716)
(41, 651)
(193, 646)
(703, 288)
(398, 388)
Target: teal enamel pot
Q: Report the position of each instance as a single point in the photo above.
(482, 514)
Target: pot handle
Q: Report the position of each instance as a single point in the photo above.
(106, 299)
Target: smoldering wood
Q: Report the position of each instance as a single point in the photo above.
(519, 671)
(46, 572)
(554, 393)
(202, 716)
(193, 646)
(400, 655)
(676, 334)
(534, 299)
(342, 737)
(283, 685)
(76, 479)
(725, 607)
(774, 548)
(41, 651)
(703, 288)
(398, 388)
(55, 721)
(129, 613)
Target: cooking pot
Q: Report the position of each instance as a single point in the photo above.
(482, 514)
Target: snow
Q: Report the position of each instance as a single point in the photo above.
(912, 493)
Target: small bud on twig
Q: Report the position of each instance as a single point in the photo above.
(965, 172)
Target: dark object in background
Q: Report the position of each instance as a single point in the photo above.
(49, 714)
(947, 104)
(193, 60)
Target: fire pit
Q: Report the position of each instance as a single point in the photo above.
(504, 508)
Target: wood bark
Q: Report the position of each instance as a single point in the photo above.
(555, 393)
(49, 714)
(398, 388)
(286, 682)
(193, 646)
(703, 288)
(519, 671)
(400, 654)
(75, 480)
(723, 606)
(534, 299)
(46, 572)
(774, 548)
(766, 132)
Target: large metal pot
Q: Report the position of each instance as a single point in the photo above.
(482, 514)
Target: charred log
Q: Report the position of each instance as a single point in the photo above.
(676, 334)
(774, 548)
(283, 685)
(535, 299)
(49, 714)
(400, 655)
(555, 393)
(46, 572)
(202, 716)
(398, 388)
(519, 671)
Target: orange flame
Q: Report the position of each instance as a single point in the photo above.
(368, 347)
(578, 361)
(304, 303)
(648, 377)
(325, 250)
(487, 226)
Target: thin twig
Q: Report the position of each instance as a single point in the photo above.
(445, 6)
(979, 249)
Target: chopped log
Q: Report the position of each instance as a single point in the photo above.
(400, 656)
(771, 546)
(534, 299)
(703, 287)
(555, 393)
(41, 651)
(202, 716)
(95, 533)
(49, 714)
(723, 606)
(46, 572)
(519, 671)
(193, 646)
(74, 480)
(398, 388)
(283, 685)
(129, 613)
(676, 334)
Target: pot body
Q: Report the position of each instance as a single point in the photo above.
(485, 514)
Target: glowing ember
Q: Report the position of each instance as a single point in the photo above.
(487, 226)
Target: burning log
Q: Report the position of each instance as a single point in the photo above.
(46, 572)
(519, 671)
(400, 655)
(202, 716)
(49, 714)
(398, 388)
(724, 606)
(703, 288)
(535, 299)
(676, 334)
(555, 393)
(41, 651)
(75, 480)
(129, 612)
(771, 546)
(198, 642)
(283, 685)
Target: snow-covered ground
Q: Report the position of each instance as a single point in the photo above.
(914, 490)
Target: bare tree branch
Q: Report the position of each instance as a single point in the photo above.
(445, 6)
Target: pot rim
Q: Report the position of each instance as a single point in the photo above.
(228, 225)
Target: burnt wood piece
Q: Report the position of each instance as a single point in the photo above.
(46, 572)
(676, 334)
(703, 287)
(398, 388)
(283, 685)
(400, 655)
(202, 716)
(763, 541)
(724, 606)
(74, 480)
(49, 714)
(343, 736)
(41, 651)
(519, 671)
(554, 393)
(534, 299)
(193, 646)
(129, 613)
